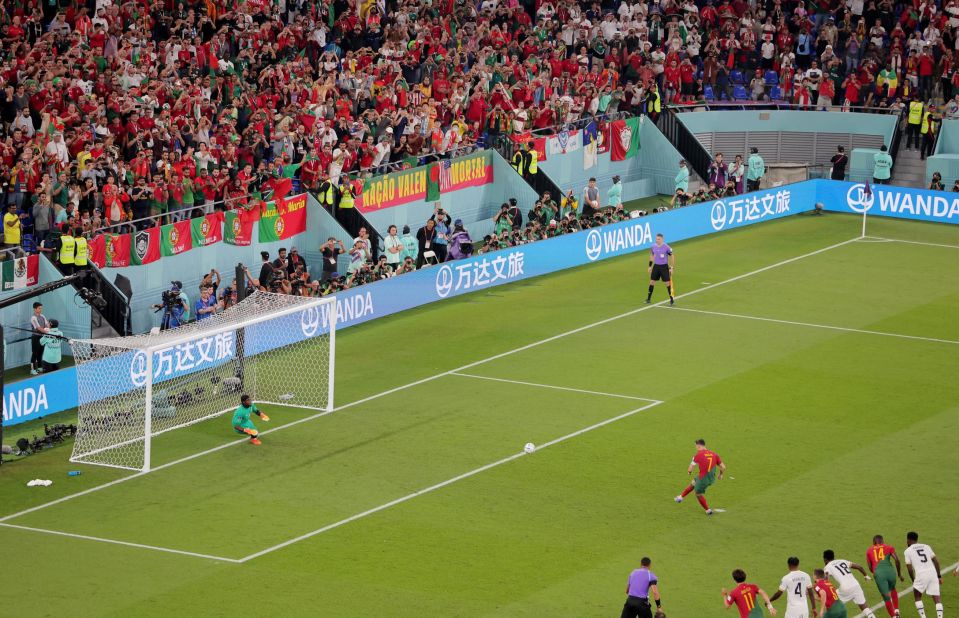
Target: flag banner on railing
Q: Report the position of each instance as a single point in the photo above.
(21, 272)
(425, 183)
(563, 142)
(624, 139)
(590, 139)
(238, 226)
(537, 143)
(117, 250)
(433, 181)
(602, 146)
(176, 238)
(146, 246)
(98, 250)
(207, 230)
(280, 224)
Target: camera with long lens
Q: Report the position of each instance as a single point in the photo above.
(169, 299)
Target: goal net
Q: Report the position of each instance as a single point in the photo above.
(276, 348)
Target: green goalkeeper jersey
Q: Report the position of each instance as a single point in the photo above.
(241, 418)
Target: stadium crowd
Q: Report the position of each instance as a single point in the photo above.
(114, 112)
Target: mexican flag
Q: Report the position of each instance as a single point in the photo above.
(146, 246)
(176, 238)
(624, 138)
(238, 227)
(281, 224)
(117, 250)
(207, 230)
(21, 272)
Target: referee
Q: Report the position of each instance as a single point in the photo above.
(661, 263)
(641, 583)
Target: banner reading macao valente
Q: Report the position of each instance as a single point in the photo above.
(425, 182)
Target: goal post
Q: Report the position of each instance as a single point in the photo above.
(132, 389)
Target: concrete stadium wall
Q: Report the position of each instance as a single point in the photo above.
(149, 280)
(62, 305)
(476, 206)
(652, 171)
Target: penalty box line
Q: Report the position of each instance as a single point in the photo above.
(446, 483)
(859, 331)
(431, 378)
(844, 329)
(945, 571)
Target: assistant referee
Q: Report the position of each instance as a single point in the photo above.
(661, 263)
(642, 582)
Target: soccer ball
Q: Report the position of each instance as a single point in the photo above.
(529, 448)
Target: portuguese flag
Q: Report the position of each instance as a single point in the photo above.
(280, 224)
(206, 230)
(176, 238)
(238, 227)
(98, 250)
(146, 246)
(117, 247)
(433, 182)
(21, 272)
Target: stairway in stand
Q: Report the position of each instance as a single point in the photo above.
(909, 170)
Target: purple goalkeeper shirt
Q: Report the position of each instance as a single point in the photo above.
(639, 582)
(661, 253)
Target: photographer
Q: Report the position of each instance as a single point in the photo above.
(331, 249)
(175, 306)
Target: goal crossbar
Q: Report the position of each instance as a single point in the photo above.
(130, 390)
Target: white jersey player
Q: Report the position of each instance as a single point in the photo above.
(924, 571)
(797, 586)
(847, 585)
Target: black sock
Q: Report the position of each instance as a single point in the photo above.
(650, 295)
(669, 289)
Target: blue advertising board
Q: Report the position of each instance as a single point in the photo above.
(42, 395)
(889, 201)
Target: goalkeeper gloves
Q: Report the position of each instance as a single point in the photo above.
(250, 432)
(264, 416)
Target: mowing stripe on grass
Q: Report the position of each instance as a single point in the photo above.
(124, 543)
(811, 325)
(905, 591)
(559, 388)
(442, 484)
(911, 242)
(434, 377)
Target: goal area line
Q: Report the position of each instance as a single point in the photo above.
(649, 403)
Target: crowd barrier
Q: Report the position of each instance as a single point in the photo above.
(36, 397)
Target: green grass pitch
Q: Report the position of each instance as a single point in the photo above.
(418, 503)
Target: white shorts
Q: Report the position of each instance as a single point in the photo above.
(852, 593)
(793, 611)
(927, 583)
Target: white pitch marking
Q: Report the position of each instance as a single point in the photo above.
(906, 591)
(811, 325)
(441, 485)
(911, 242)
(559, 388)
(124, 543)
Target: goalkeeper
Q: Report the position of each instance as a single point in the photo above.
(241, 419)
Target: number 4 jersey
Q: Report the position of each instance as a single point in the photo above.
(794, 585)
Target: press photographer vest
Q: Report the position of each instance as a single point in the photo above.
(68, 248)
(80, 256)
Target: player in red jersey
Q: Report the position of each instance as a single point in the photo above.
(829, 604)
(708, 462)
(744, 597)
(880, 558)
